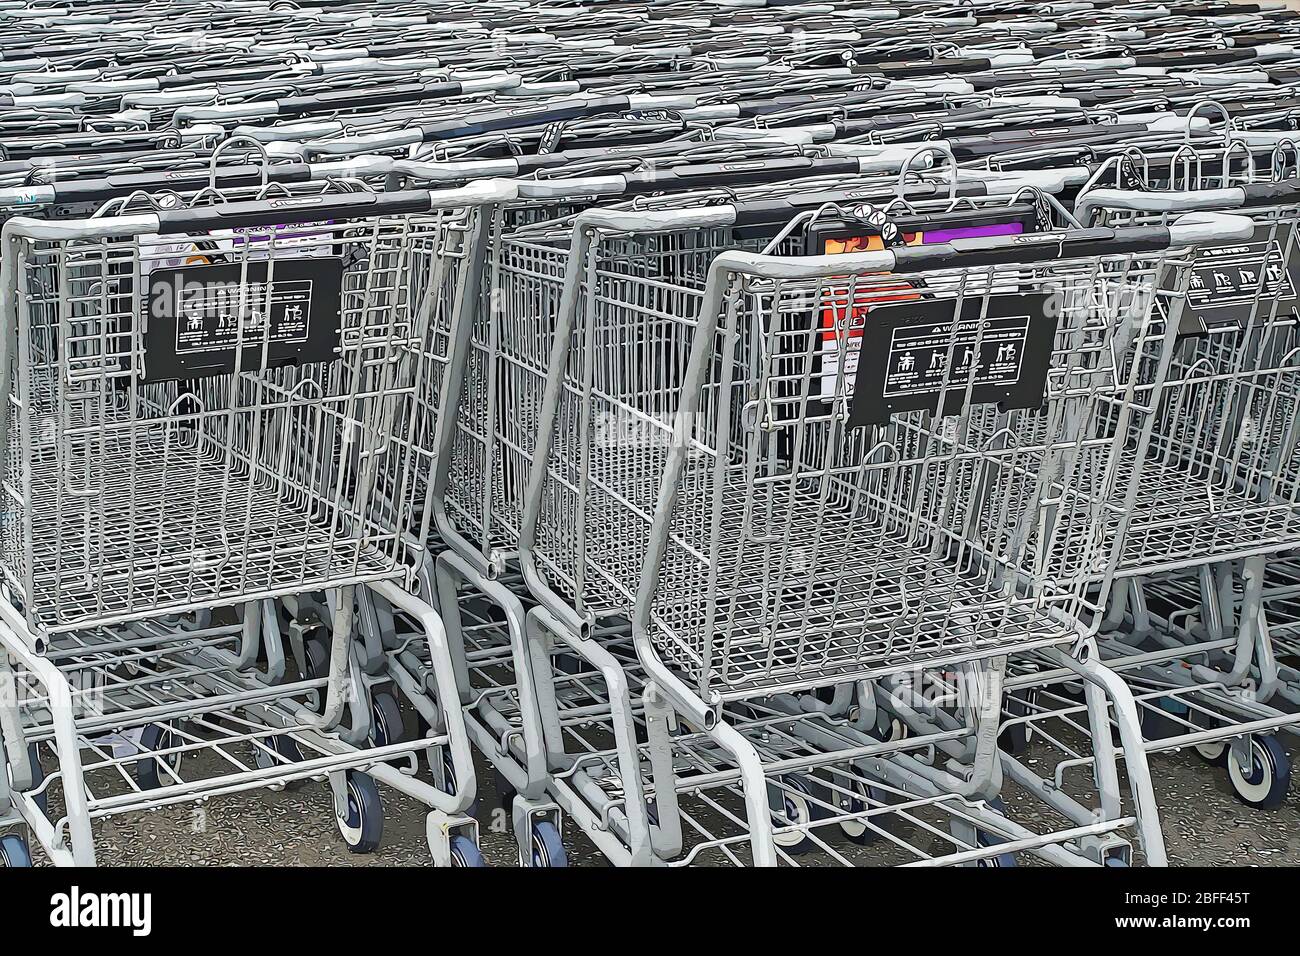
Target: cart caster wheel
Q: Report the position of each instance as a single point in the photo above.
(1072, 690)
(362, 826)
(41, 799)
(14, 852)
(1156, 724)
(1002, 860)
(985, 838)
(448, 771)
(1213, 752)
(449, 780)
(890, 728)
(569, 664)
(149, 772)
(316, 654)
(1266, 783)
(465, 852)
(287, 748)
(1015, 739)
(386, 724)
(856, 831)
(548, 848)
(793, 804)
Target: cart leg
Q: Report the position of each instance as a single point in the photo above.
(67, 749)
(452, 568)
(539, 649)
(444, 678)
(762, 844)
(340, 654)
(1084, 662)
(668, 829)
(1118, 605)
(11, 728)
(622, 723)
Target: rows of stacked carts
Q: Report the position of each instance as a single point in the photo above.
(744, 431)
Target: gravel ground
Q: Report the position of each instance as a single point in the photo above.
(1204, 825)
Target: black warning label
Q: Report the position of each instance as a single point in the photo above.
(200, 317)
(920, 356)
(276, 311)
(997, 349)
(1229, 283)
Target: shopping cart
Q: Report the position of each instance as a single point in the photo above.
(171, 461)
(529, 258)
(1218, 500)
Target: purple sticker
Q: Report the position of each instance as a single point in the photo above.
(974, 232)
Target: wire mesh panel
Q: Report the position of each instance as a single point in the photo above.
(197, 418)
(625, 301)
(626, 285)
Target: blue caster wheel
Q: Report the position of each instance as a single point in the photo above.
(1002, 859)
(448, 771)
(386, 723)
(449, 780)
(287, 749)
(465, 852)
(1265, 784)
(362, 822)
(793, 805)
(316, 650)
(14, 852)
(154, 772)
(547, 847)
(985, 838)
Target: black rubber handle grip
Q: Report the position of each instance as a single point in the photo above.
(1284, 193)
(1176, 59)
(1035, 247)
(943, 66)
(780, 211)
(234, 74)
(523, 116)
(287, 211)
(328, 101)
(107, 187)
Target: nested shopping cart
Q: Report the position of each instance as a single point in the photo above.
(1187, 621)
(489, 443)
(217, 407)
(591, 491)
(484, 449)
